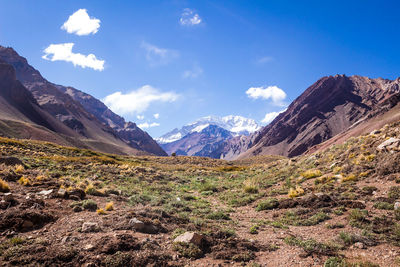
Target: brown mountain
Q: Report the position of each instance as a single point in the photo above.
(93, 123)
(327, 108)
(128, 131)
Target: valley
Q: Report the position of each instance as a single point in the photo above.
(68, 206)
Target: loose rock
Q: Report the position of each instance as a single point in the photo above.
(190, 237)
(88, 227)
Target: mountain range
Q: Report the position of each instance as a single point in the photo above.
(66, 115)
(331, 110)
(207, 136)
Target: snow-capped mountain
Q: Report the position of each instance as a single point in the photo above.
(237, 125)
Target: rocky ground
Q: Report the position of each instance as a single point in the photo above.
(73, 207)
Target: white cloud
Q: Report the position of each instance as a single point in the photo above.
(156, 56)
(80, 23)
(137, 101)
(156, 116)
(269, 117)
(189, 18)
(193, 73)
(274, 93)
(63, 52)
(148, 125)
(140, 117)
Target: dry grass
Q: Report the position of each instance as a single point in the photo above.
(4, 187)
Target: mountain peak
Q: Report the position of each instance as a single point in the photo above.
(237, 125)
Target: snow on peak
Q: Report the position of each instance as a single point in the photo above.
(237, 125)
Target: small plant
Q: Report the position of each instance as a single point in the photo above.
(383, 206)
(101, 212)
(91, 190)
(109, 206)
(250, 187)
(4, 187)
(358, 217)
(335, 262)
(311, 174)
(89, 204)
(24, 181)
(295, 192)
(173, 154)
(188, 250)
(218, 215)
(19, 169)
(394, 192)
(268, 204)
(254, 230)
(350, 177)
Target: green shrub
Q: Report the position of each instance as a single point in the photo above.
(268, 204)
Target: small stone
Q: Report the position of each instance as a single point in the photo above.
(375, 132)
(88, 247)
(62, 193)
(142, 227)
(8, 197)
(45, 192)
(359, 245)
(190, 237)
(397, 205)
(77, 194)
(88, 227)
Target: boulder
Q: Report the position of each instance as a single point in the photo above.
(88, 227)
(190, 237)
(397, 205)
(390, 144)
(45, 192)
(143, 227)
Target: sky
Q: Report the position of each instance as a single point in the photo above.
(163, 64)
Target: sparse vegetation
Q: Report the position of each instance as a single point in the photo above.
(4, 187)
(326, 193)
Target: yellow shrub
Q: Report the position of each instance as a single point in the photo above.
(350, 177)
(370, 157)
(363, 174)
(40, 178)
(101, 212)
(109, 206)
(250, 186)
(352, 155)
(311, 174)
(4, 187)
(337, 169)
(24, 181)
(295, 192)
(19, 169)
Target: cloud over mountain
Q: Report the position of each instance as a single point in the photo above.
(276, 94)
(137, 101)
(63, 52)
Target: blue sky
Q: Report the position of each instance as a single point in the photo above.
(187, 59)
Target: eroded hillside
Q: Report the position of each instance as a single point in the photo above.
(66, 206)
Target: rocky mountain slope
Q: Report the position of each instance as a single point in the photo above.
(101, 128)
(327, 108)
(128, 131)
